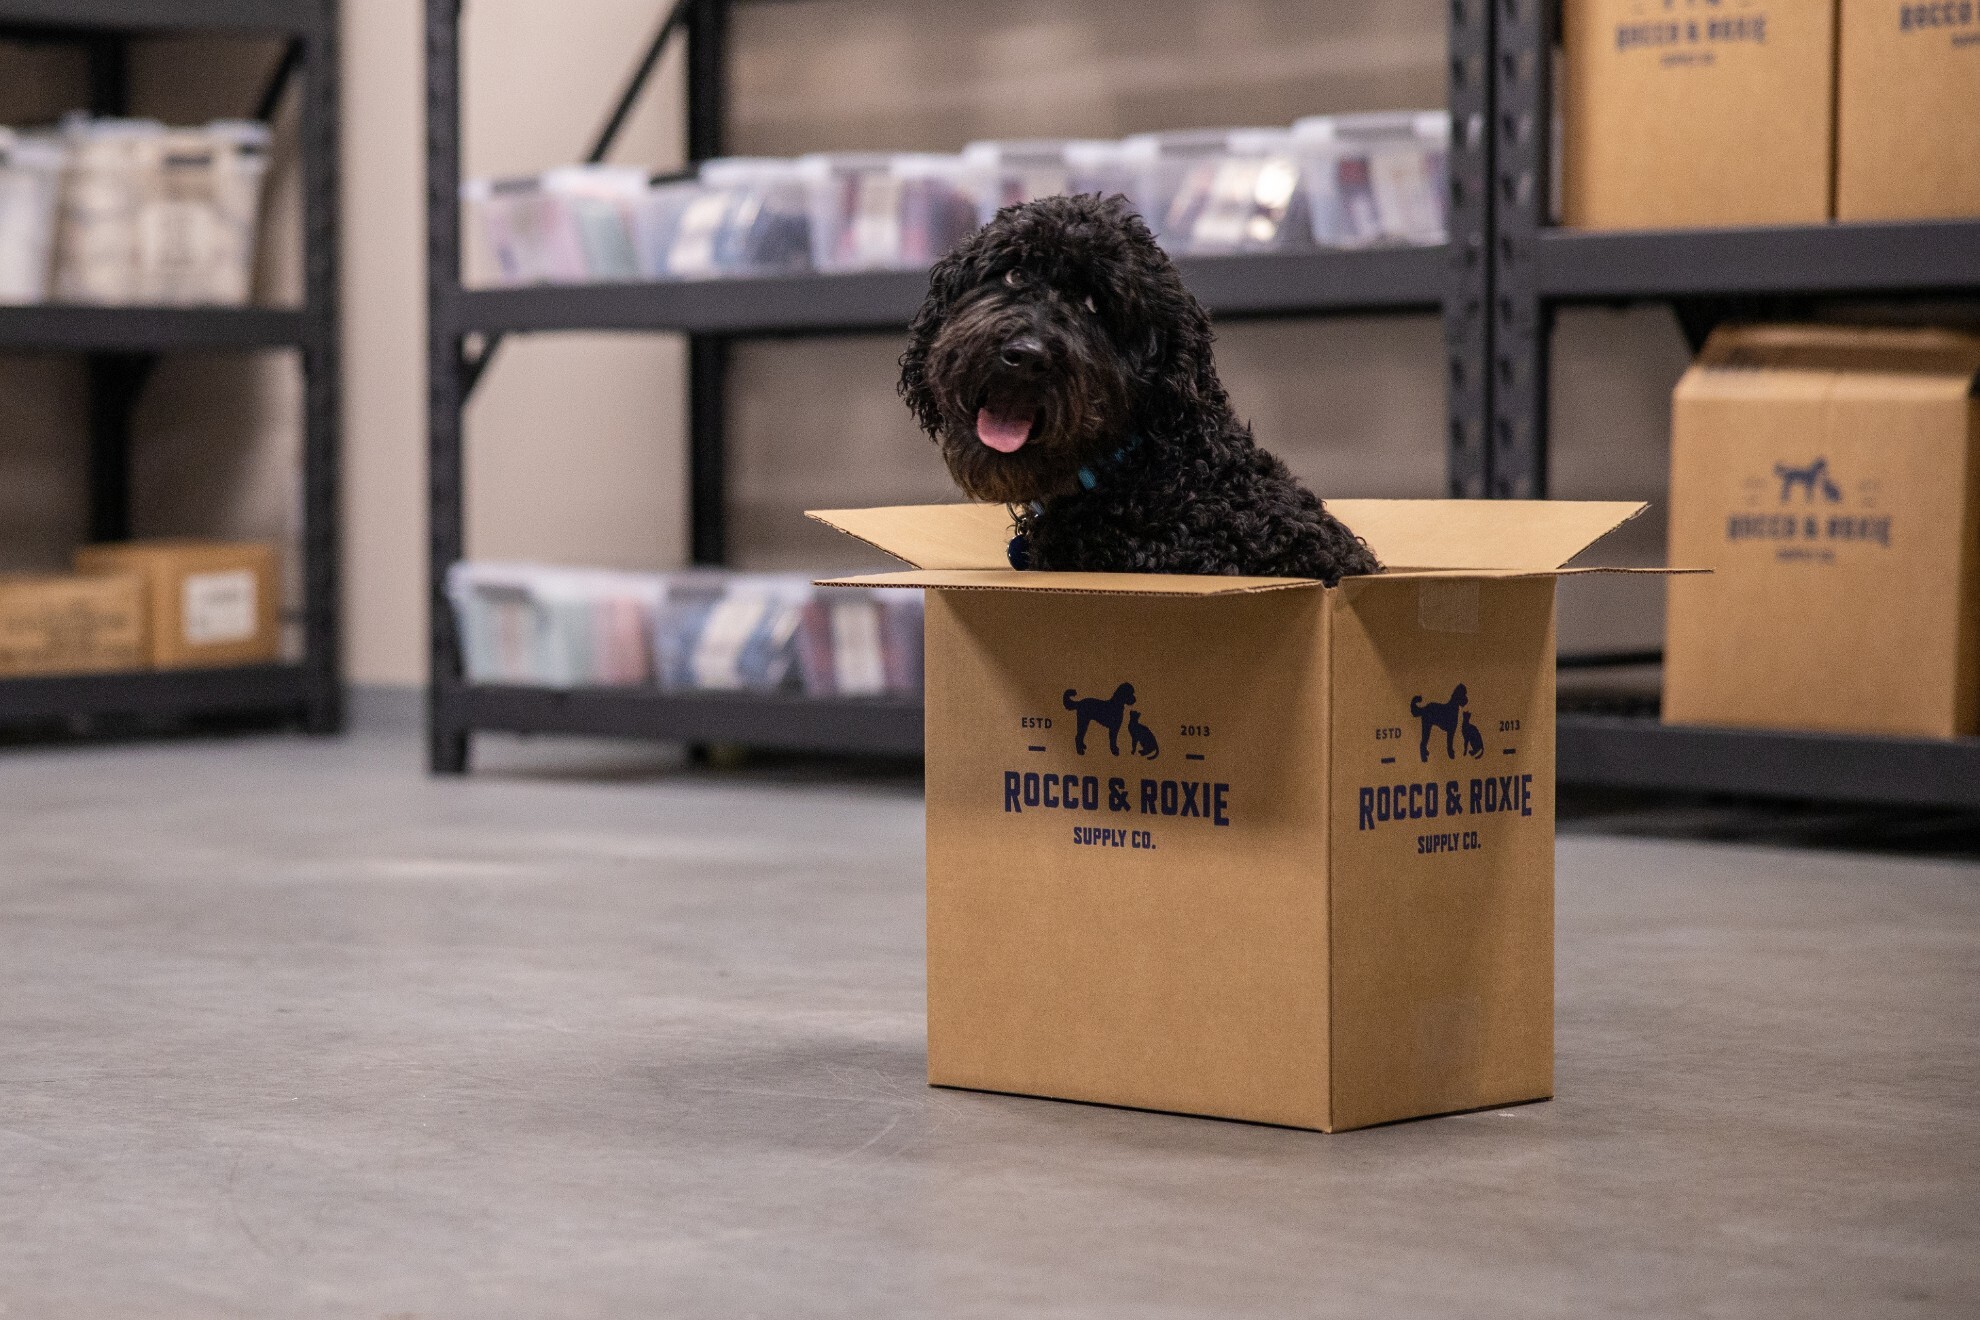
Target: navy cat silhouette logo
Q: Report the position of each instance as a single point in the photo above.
(1141, 738)
(1448, 716)
(1813, 478)
(1108, 713)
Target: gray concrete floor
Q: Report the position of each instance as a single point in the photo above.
(291, 1030)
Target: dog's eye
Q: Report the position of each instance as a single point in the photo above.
(1088, 302)
(1014, 278)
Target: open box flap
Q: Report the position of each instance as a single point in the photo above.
(930, 535)
(1074, 584)
(1522, 535)
(1535, 536)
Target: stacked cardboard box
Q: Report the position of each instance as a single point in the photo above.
(1830, 478)
(1744, 112)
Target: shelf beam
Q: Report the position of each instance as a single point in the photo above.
(51, 327)
(135, 16)
(889, 727)
(276, 690)
(1911, 257)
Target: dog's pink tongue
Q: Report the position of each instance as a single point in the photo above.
(1004, 432)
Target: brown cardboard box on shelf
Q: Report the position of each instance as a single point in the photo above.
(210, 602)
(1828, 476)
(1908, 110)
(70, 623)
(1244, 847)
(1694, 114)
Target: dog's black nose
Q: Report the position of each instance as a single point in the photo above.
(1023, 352)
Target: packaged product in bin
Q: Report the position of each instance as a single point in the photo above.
(597, 204)
(110, 165)
(741, 216)
(1375, 179)
(528, 232)
(1123, 168)
(861, 644)
(30, 192)
(1006, 173)
(198, 222)
(729, 632)
(879, 212)
(555, 627)
(1227, 190)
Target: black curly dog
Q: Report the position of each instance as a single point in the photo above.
(1106, 713)
(1442, 715)
(1064, 369)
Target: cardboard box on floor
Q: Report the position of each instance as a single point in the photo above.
(1828, 475)
(1244, 847)
(1908, 110)
(210, 602)
(1698, 114)
(70, 624)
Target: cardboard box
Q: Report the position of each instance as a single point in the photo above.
(1683, 113)
(1828, 476)
(1908, 110)
(210, 602)
(63, 624)
(1244, 847)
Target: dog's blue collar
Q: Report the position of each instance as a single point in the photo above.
(1019, 550)
(1089, 477)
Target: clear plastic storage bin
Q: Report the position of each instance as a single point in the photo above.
(110, 166)
(874, 212)
(1227, 190)
(30, 192)
(201, 213)
(1125, 169)
(595, 205)
(1376, 178)
(742, 216)
(1006, 173)
(528, 231)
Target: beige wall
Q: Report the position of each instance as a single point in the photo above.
(574, 441)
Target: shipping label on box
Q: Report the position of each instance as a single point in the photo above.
(1682, 113)
(210, 602)
(1244, 847)
(1908, 110)
(63, 624)
(1827, 476)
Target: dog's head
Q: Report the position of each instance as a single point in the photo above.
(1124, 694)
(1460, 696)
(1048, 338)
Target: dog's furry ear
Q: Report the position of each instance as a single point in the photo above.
(1178, 369)
(947, 282)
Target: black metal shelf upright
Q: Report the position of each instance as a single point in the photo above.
(1707, 275)
(464, 325)
(122, 345)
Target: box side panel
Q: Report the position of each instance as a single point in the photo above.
(210, 603)
(71, 625)
(1833, 513)
(1908, 110)
(1696, 115)
(1443, 848)
(1142, 922)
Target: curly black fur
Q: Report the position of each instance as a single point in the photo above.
(1065, 311)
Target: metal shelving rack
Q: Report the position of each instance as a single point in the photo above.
(465, 325)
(1708, 275)
(123, 345)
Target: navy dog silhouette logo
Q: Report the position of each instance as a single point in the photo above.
(1811, 479)
(1450, 717)
(1110, 713)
